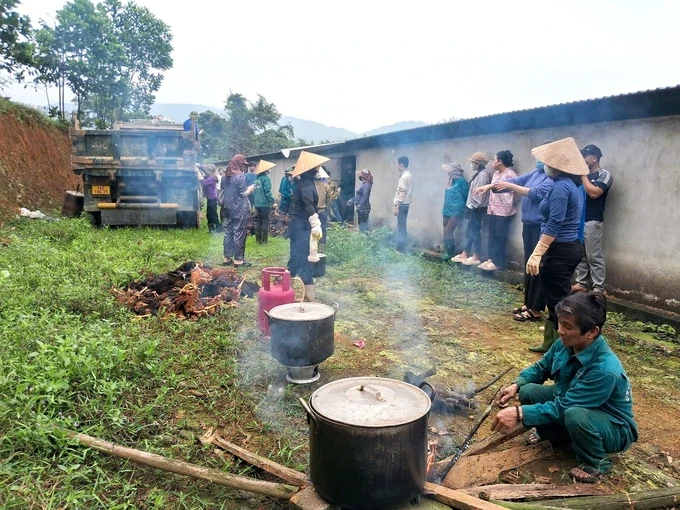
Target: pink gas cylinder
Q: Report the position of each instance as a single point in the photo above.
(273, 293)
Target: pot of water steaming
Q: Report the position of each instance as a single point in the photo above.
(368, 441)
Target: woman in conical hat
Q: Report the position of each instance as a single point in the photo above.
(559, 249)
(304, 219)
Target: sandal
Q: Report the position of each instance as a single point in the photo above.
(532, 438)
(243, 264)
(229, 262)
(526, 316)
(519, 310)
(585, 474)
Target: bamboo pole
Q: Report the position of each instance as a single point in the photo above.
(276, 490)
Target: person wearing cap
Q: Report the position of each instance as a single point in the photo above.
(559, 249)
(325, 194)
(455, 196)
(501, 210)
(235, 193)
(590, 404)
(264, 201)
(286, 190)
(251, 177)
(596, 184)
(207, 174)
(402, 202)
(304, 220)
(191, 126)
(533, 187)
(475, 211)
(362, 198)
(334, 211)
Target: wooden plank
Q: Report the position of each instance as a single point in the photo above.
(534, 491)
(658, 498)
(484, 469)
(285, 473)
(309, 499)
(457, 499)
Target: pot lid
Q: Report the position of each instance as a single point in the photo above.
(302, 312)
(370, 402)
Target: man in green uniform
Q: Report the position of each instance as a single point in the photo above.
(590, 405)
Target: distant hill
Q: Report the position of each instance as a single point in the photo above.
(408, 124)
(306, 129)
(316, 132)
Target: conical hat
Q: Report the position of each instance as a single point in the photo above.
(263, 166)
(308, 161)
(563, 155)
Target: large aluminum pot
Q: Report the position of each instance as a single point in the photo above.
(302, 334)
(368, 441)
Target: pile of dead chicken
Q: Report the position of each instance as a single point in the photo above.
(192, 291)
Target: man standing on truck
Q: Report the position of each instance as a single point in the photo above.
(191, 126)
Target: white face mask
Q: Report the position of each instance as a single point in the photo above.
(550, 171)
(473, 166)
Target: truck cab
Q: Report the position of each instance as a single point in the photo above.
(139, 173)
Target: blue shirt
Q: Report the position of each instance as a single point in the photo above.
(187, 127)
(562, 210)
(539, 185)
(455, 198)
(592, 379)
(250, 178)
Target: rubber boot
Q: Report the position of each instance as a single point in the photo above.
(265, 237)
(449, 251)
(310, 293)
(549, 337)
(258, 237)
(322, 247)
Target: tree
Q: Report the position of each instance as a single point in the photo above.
(214, 137)
(110, 55)
(16, 48)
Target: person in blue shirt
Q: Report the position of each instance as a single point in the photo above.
(286, 190)
(251, 177)
(191, 126)
(559, 250)
(533, 187)
(453, 211)
(590, 405)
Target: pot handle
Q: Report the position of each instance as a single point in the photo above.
(336, 307)
(374, 390)
(310, 414)
(302, 299)
(269, 317)
(432, 394)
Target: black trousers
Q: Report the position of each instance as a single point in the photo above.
(402, 233)
(214, 223)
(473, 231)
(499, 226)
(262, 224)
(299, 232)
(533, 293)
(557, 268)
(362, 214)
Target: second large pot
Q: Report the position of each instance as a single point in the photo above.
(302, 334)
(368, 442)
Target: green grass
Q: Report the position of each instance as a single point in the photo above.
(72, 357)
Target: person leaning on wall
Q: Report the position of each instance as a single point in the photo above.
(402, 202)
(453, 211)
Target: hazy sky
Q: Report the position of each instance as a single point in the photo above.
(363, 64)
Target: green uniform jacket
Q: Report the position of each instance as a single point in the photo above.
(593, 379)
(455, 198)
(263, 192)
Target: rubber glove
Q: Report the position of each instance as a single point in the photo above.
(315, 222)
(534, 262)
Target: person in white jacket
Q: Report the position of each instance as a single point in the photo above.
(402, 202)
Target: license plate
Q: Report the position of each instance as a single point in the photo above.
(101, 190)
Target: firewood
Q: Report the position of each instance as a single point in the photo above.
(457, 499)
(534, 491)
(276, 490)
(309, 499)
(484, 469)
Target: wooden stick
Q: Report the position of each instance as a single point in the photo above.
(276, 490)
(491, 382)
(457, 499)
(468, 439)
(534, 491)
(495, 439)
(289, 475)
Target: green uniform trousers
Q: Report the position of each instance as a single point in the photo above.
(591, 432)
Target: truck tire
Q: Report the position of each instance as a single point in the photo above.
(189, 219)
(96, 219)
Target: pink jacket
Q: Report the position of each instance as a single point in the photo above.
(502, 204)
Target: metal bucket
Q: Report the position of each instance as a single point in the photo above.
(73, 204)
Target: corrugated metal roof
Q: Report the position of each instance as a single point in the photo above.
(658, 102)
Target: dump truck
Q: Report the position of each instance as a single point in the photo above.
(138, 173)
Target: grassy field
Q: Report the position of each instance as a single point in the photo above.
(72, 357)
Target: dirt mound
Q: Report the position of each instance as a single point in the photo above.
(192, 291)
(35, 161)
